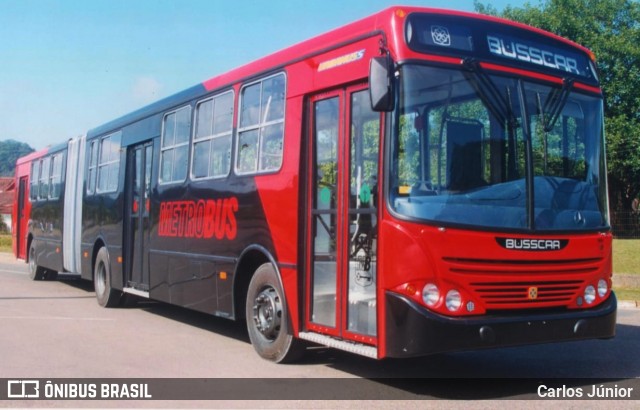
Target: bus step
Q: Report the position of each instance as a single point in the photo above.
(348, 346)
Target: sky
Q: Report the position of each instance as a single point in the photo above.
(67, 66)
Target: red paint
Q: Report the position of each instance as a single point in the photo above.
(20, 222)
(538, 76)
(474, 264)
(199, 219)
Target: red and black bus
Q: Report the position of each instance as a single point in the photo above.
(415, 182)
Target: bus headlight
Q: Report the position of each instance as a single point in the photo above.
(453, 300)
(603, 287)
(430, 294)
(589, 294)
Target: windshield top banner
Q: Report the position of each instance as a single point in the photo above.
(461, 36)
(528, 52)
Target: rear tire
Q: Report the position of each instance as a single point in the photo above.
(106, 295)
(35, 272)
(267, 318)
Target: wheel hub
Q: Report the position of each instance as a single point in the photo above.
(267, 313)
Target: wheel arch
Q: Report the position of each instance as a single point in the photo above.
(249, 261)
(98, 244)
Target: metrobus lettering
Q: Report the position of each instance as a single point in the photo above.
(524, 52)
(204, 219)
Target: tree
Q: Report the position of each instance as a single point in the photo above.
(10, 151)
(611, 29)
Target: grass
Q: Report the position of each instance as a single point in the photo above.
(627, 294)
(5, 243)
(626, 256)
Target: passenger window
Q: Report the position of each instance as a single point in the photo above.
(35, 176)
(43, 185)
(261, 131)
(212, 141)
(176, 128)
(93, 165)
(109, 163)
(55, 180)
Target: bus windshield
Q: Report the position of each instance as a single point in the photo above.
(478, 149)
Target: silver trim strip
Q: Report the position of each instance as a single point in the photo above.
(136, 292)
(351, 347)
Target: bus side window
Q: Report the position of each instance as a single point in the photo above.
(35, 176)
(109, 163)
(55, 179)
(261, 126)
(93, 165)
(174, 159)
(212, 139)
(43, 184)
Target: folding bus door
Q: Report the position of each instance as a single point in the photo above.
(342, 217)
(137, 224)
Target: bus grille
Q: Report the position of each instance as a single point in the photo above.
(499, 294)
(523, 284)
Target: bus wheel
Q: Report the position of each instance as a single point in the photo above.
(51, 275)
(35, 272)
(107, 296)
(267, 320)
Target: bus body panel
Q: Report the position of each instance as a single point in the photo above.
(21, 213)
(46, 222)
(197, 242)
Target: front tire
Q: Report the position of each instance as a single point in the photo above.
(267, 319)
(35, 272)
(106, 295)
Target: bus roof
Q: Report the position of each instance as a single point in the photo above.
(30, 157)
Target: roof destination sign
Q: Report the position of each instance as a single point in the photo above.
(460, 36)
(529, 52)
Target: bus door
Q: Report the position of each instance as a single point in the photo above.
(137, 226)
(342, 216)
(22, 219)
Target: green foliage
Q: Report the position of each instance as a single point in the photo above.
(10, 151)
(5, 243)
(626, 258)
(611, 29)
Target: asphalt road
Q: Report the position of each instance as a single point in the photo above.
(57, 330)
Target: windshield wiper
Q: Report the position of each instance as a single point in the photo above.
(498, 104)
(489, 93)
(549, 114)
(554, 104)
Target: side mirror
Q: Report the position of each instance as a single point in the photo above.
(381, 84)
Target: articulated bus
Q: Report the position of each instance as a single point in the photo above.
(415, 182)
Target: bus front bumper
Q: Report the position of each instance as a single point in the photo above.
(412, 330)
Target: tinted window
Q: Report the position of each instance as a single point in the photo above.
(109, 164)
(175, 145)
(212, 141)
(261, 132)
